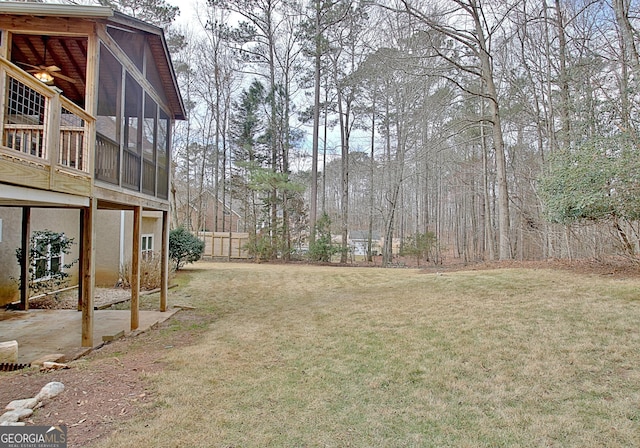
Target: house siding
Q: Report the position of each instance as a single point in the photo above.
(115, 248)
(108, 243)
(60, 220)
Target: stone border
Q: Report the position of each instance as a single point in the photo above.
(20, 409)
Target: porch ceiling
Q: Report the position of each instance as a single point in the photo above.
(67, 53)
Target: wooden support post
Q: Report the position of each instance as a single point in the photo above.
(81, 264)
(164, 262)
(26, 259)
(88, 256)
(135, 268)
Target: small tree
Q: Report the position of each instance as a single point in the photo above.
(322, 249)
(419, 246)
(184, 247)
(260, 247)
(46, 269)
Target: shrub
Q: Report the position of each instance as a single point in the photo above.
(184, 247)
(260, 247)
(322, 248)
(150, 273)
(420, 246)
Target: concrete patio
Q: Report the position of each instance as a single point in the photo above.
(43, 332)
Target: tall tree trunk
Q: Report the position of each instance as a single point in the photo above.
(324, 151)
(488, 215)
(565, 135)
(286, 230)
(629, 58)
(504, 247)
(371, 180)
(313, 206)
(621, 9)
(397, 176)
(344, 113)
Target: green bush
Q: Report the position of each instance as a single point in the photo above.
(260, 247)
(184, 247)
(419, 245)
(322, 249)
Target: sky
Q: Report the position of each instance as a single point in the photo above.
(188, 18)
(187, 10)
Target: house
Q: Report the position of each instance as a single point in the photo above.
(359, 242)
(88, 100)
(209, 217)
(223, 217)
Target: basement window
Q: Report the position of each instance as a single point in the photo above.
(147, 247)
(46, 262)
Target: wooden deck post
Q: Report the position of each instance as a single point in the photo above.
(88, 256)
(135, 268)
(26, 259)
(81, 263)
(164, 262)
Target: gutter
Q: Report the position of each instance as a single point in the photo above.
(54, 9)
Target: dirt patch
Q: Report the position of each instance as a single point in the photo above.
(105, 388)
(98, 393)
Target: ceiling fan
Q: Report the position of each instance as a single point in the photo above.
(47, 73)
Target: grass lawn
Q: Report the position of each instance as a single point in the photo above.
(305, 356)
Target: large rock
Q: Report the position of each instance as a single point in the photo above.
(53, 357)
(50, 390)
(49, 365)
(15, 415)
(27, 403)
(9, 351)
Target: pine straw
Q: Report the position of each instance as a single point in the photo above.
(323, 356)
(68, 300)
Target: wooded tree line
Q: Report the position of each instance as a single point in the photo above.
(501, 129)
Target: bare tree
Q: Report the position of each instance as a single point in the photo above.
(474, 32)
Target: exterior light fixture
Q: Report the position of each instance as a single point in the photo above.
(44, 76)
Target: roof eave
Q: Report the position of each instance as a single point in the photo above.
(98, 13)
(55, 10)
(126, 20)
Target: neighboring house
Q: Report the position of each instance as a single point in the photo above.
(89, 100)
(359, 242)
(228, 220)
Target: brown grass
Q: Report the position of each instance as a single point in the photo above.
(325, 356)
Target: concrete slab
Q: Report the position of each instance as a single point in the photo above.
(42, 332)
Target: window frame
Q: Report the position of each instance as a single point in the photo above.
(146, 250)
(48, 260)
